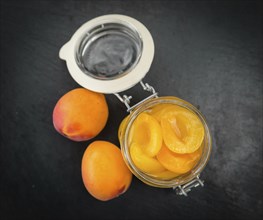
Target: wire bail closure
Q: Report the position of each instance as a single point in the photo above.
(184, 189)
(127, 99)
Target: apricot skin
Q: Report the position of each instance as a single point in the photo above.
(104, 172)
(80, 114)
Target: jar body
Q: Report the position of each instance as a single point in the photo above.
(146, 178)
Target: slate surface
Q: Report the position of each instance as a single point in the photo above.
(206, 52)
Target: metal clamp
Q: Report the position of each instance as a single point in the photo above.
(127, 99)
(184, 189)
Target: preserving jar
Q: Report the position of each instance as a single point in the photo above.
(112, 53)
(182, 183)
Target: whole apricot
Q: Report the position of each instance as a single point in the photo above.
(104, 172)
(80, 114)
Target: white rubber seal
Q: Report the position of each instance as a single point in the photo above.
(67, 53)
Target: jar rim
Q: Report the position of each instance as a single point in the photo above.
(184, 178)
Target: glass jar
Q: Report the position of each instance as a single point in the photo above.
(183, 183)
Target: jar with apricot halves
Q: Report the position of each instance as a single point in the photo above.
(166, 143)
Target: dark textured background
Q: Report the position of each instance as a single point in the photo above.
(207, 52)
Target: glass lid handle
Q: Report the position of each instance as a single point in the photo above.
(127, 99)
(184, 189)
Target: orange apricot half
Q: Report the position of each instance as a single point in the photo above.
(165, 175)
(146, 132)
(178, 163)
(143, 162)
(182, 131)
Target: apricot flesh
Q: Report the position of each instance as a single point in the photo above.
(104, 172)
(183, 131)
(178, 163)
(147, 132)
(80, 114)
(144, 162)
(160, 110)
(165, 175)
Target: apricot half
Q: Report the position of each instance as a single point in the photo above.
(159, 110)
(165, 175)
(182, 130)
(147, 132)
(143, 162)
(178, 163)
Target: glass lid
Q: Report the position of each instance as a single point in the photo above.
(109, 54)
(109, 51)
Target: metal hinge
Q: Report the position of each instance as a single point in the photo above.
(184, 189)
(127, 99)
